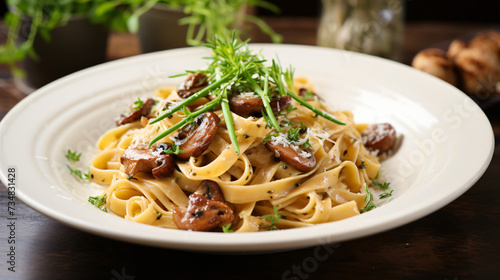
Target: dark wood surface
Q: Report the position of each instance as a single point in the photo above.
(460, 241)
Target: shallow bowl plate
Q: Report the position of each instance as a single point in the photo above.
(447, 142)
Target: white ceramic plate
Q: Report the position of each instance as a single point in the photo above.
(448, 142)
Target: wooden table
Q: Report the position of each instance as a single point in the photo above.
(460, 241)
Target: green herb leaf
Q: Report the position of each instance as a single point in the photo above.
(307, 144)
(386, 194)
(293, 134)
(307, 95)
(73, 156)
(273, 227)
(131, 177)
(382, 186)
(290, 109)
(274, 218)
(99, 202)
(369, 202)
(138, 104)
(173, 150)
(269, 136)
(79, 174)
(226, 228)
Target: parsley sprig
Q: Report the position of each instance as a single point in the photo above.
(138, 104)
(386, 194)
(73, 157)
(274, 218)
(173, 150)
(383, 186)
(293, 134)
(226, 228)
(370, 204)
(78, 173)
(99, 202)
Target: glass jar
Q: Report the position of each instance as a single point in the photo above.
(368, 26)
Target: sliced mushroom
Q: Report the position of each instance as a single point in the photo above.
(137, 114)
(210, 190)
(303, 92)
(195, 138)
(379, 137)
(193, 83)
(302, 160)
(153, 160)
(250, 106)
(205, 212)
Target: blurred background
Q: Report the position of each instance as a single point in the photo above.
(442, 10)
(388, 28)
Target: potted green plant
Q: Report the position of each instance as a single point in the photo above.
(179, 23)
(50, 39)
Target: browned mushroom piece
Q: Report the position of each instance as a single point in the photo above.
(249, 106)
(195, 138)
(210, 190)
(205, 212)
(303, 92)
(280, 103)
(302, 160)
(153, 160)
(193, 83)
(379, 137)
(137, 114)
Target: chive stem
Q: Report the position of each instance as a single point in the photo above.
(195, 96)
(210, 105)
(265, 101)
(229, 124)
(314, 109)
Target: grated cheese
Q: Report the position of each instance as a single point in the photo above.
(379, 130)
(248, 94)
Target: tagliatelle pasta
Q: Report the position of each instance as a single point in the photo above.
(239, 146)
(253, 181)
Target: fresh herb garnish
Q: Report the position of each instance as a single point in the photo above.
(369, 202)
(307, 144)
(383, 186)
(290, 109)
(138, 104)
(158, 216)
(308, 94)
(72, 156)
(303, 128)
(269, 136)
(273, 227)
(226, 228)
(80, 174)
(293, 134)
(234, 63)
(131, 177)
(274, 218)
(386, 194)
(99, 202)
(173, 150)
